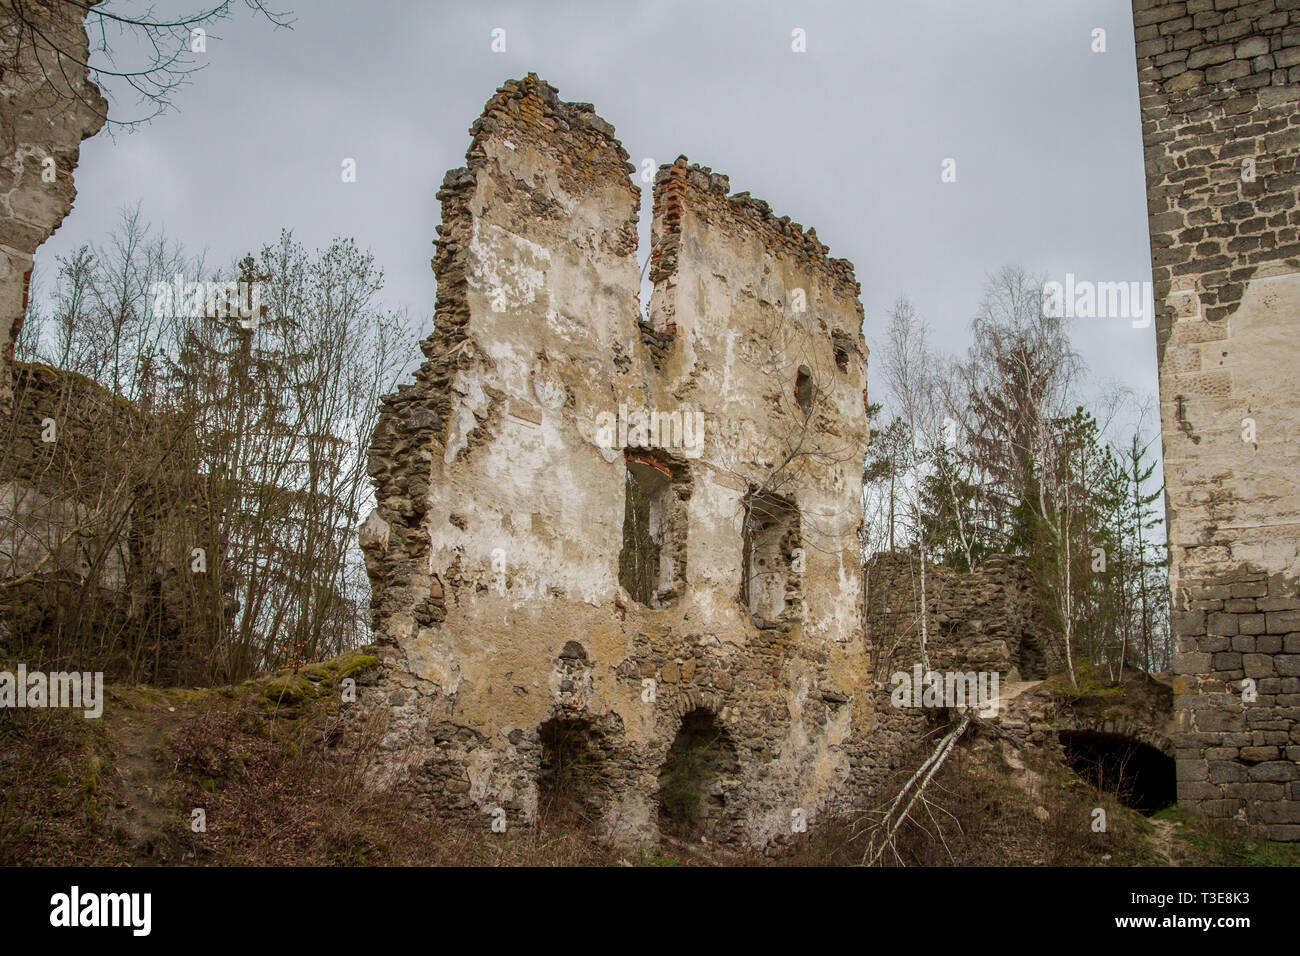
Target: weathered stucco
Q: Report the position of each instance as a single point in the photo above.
(494, 553)
(1220, 88)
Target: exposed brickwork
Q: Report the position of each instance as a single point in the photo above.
(708, 194)
(1220, 87)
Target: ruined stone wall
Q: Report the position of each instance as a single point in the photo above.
(988, 620)
(494, 552)
(98, 518)
(47, 107)
(56, 474)
(1220, 87)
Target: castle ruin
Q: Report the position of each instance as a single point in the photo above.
(559, 553)
(569, 571)
(47, 107)
(1219, 83)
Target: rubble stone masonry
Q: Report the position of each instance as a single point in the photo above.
(1220, 97)
(988, 620)
(495, 550)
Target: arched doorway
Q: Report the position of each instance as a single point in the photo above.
(573, 775)
(697, 778)
(1138, 774)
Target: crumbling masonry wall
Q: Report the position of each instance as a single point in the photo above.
(1220, 96)
(988, 620)
(494, 551)
(47, 107)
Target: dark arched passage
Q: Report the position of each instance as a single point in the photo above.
(695, 778)
(1139, 775)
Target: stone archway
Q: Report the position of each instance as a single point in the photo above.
(1134, 730)
(697, 780)
(1140, 775)
(576, 770)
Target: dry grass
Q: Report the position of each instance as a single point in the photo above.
(56, 790)
(283, 786)
(276, 790)
(282, 795)
(980, 811)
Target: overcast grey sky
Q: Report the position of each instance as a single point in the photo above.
(848, 137)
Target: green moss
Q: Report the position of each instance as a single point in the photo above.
(1090, 683)
(90, 789)
(85, 382)
(289, 689)
(145, 698)
(1175, 814)
(97, 765)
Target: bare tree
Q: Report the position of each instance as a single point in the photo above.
(1020, 373)
(148, 55)
(282, 402)
(225, 476)
(98, 320)
(1000, 454)
(908, 370)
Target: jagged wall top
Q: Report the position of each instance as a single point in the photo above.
(683, 183)
(588, 151)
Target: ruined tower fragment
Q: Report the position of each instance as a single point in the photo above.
(47, 107)
(581, 591)
(1220, 93)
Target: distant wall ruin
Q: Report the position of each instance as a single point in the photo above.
(97, 525)
(1219, 85)
(989, 620)
(498, 553)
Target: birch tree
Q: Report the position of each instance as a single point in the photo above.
(907, 365)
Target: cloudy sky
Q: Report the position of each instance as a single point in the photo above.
(849, 136)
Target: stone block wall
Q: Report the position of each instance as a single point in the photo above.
(1219, 85)
(494, 551)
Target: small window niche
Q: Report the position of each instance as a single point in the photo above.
(804, 389)
(843, 348)
(772, 563)
(652, 562)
